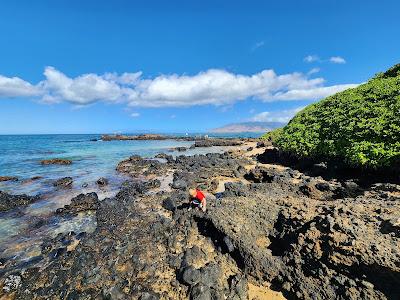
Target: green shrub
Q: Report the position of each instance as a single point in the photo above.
(272, 135)
(360, 126)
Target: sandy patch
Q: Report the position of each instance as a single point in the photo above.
(263, 293)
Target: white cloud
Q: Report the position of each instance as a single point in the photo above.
(311, 58)
(257, 45)
(312, 94)
(15, 87)
(337, 60)
(282, 116)
(135, 115)
(313, 71)
(211, 87)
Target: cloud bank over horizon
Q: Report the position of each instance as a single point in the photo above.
(213, 86)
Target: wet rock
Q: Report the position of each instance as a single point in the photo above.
(102, 181)
(137, 166)
(130, 190)
(12, 283)
(8, 178)
(56, 161)
(8, 201)
(63, 182)
(82, 202)
(180, 149)
(217, 142)
(168, 158)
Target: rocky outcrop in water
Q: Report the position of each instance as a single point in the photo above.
(8, 201)
(217, 142)
(82, 202)
(56, 161)
(8, 178)
(64, 182)
(102, 181)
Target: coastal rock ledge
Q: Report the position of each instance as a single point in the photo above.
(272, 230)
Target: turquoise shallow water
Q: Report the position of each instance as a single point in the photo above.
(23, 229)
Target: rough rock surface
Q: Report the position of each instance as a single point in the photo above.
(82, 202)
(64, 182)
(8, 178)
(8, 201)
(56, 161)
(309, 237)
(102, 181)
(217, 142)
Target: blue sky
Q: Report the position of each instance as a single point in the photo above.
(177, 66)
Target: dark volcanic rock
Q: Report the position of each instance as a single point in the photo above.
(179, 184)
(217, 142)
(56, 161)
(180, 149)
(63, 182)
(102, 181)
(200, 292)
(191, 276)
(169, 204)
(168, 158)
(82, 202)
(235, 189)
(8, 178)
(310, 237)
(137, 166)
(8, 201)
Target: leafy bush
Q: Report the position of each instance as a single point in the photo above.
(272, 135)
(360, 126)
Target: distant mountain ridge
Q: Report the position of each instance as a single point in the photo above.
(248, 127)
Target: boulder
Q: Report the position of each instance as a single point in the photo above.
(63, 182)
(200, 292)
(191, 276)
(102, 181)
(56, 161)
(8, 201)
(180, 149)
(179, 184)
(169, 204)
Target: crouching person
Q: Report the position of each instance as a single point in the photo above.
(198, 199)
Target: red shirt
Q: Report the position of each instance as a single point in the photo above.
(200, 195)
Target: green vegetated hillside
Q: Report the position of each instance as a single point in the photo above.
(360, 126)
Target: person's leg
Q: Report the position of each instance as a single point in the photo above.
(204, 205)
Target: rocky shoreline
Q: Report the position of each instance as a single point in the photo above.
(273, 231)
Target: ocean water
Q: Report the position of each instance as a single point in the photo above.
(23, 229)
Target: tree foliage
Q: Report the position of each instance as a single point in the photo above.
(359, 125)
